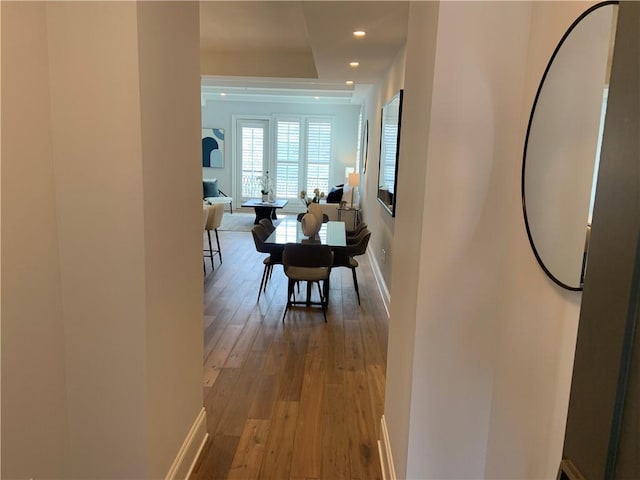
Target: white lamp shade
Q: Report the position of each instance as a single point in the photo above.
(353, 180)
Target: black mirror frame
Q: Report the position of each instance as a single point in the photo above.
(526, 142)
(391, 209)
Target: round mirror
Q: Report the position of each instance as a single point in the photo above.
(562, 146)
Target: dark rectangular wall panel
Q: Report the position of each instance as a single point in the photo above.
(610, 295)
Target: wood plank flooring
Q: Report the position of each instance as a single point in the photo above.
(295, 400)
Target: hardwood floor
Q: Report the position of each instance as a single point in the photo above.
(295, 400)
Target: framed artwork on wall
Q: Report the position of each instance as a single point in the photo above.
(389, 152)
(213, 148)
(365, 145)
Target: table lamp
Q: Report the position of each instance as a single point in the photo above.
(353, 181)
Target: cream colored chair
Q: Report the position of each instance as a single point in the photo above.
(309, 263)
(214, 219)
(205, 217)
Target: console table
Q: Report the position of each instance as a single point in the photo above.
(356, 214)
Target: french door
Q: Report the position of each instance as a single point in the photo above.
(252, 155)
(295, 150)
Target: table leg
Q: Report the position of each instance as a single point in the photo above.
(263, 212)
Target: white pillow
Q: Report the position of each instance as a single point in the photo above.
(347, 194)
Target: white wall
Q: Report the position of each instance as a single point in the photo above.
(405, 249)
(171, 182)
(378, 219)
(478, 383)
(102, 316)
(218, 114)
(34, 415)
(538, 324)
(474, 152)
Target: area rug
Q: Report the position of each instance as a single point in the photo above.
(241, 222)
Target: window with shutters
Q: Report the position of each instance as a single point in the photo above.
(295, 150)
(304, 148)
(287, 158)
(319, 148)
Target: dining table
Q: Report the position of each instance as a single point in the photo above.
(289, 230)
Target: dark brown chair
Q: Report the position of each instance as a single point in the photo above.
(355, 239)
(352, 233)
(268, 225)
(260, 234)
(309, 263)
(344, 256)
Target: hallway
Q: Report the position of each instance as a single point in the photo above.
(299, 400)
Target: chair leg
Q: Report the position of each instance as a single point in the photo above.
(270, 272)
(355, 283)
(289, 293)
(263, 281)
(219, 251)
(323, 303)
(325, 288)
(326, 285)
(268, 277)
(210, 248)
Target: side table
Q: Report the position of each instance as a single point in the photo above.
(356, 214)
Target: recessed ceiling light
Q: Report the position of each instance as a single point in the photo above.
(354, 64)
(359, 33)
(317, 98)
(349, 82)
(222, 94)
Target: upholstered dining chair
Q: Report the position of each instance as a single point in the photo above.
(356, 231)
(268, 225)
(214, 219)
(260, 234)
(344, 256)
(309, 263)
(355, 239)
(205, 217)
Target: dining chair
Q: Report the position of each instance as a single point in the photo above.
(260, 234)
(357, 238)
(309, 263)
(268, 225)
(205, 217)
(352, 233)
(344, 256)
(214, 219)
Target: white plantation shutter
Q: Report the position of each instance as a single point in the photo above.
(319, 148)
(295, 150)
(287, 158)
(252, 159)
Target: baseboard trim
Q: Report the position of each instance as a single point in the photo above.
(382, 285)
(384, 450)
(190, 450)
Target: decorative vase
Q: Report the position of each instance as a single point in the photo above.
(310, 225)
(316, 210)
(265, 197)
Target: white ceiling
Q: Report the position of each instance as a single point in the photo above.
(298, 49)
